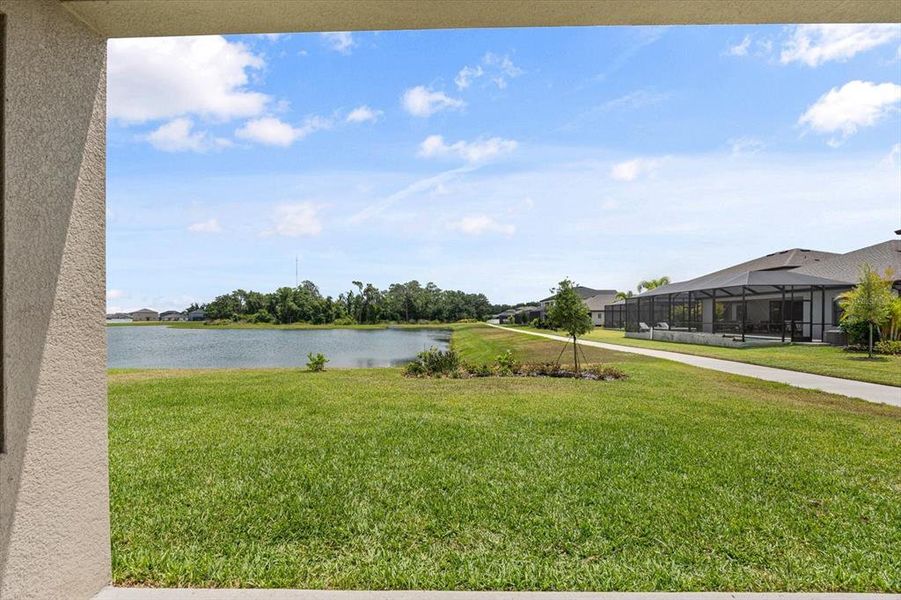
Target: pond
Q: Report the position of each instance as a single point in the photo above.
(170, 348)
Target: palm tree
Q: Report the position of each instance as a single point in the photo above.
(623, 295)
(650, 284)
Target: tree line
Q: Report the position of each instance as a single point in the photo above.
(363, 303)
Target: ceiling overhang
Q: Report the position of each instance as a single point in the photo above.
(141, 18)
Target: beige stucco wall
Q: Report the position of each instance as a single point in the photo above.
(54, 515)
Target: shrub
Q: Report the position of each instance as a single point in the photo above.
(479, 370)
(468, 321)
(858, 331)
(605, 372)
(434, 362)
(316, 363)
(888, 347)
(344, 321)
(261, 316)
(506, 363)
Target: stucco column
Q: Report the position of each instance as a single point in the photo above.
(54, 499)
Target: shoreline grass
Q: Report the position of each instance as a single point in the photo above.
(675, 479)
(299, 326)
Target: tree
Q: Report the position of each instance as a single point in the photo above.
(569, 313)
(869, 302)
(623, 295)
(650, 284)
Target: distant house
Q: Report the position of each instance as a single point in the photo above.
(196, 315)
(583, 292)
(525, 314)
(119, 318)
(506, 316)
(172, 315)
(145, 314)
(596, 306)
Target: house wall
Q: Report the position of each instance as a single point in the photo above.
(54, 506)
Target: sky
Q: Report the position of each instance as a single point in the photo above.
(496, 160)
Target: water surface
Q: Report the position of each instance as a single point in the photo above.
(168, 348)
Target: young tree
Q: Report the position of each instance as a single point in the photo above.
(569, 313)
(869, 302)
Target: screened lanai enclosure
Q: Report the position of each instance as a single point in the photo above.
(766, 305)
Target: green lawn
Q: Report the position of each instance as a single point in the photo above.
(822, 360)
(674, 479)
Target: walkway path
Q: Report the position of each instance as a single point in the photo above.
(871, 392)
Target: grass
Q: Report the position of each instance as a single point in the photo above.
(821, 360)
(674, 479)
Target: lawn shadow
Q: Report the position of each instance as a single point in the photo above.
(868, 359)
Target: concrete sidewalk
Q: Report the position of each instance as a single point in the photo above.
(871, 392)
(114, 593)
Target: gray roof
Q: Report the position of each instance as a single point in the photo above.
(747, 278)
(584, 293)
(846, 267)
(778, 268)
(785, 259)
(599, 301)
(150, 310)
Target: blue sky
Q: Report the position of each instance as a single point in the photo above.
(497, 161)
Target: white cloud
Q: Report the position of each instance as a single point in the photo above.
(498, 68)
(481, 224)
(295, 220)
(746, 145)
(178, 135)
(893, 159)
(420, 101)
(363, 114)
(631, 170)
(208, 226)
(476, 151)
(632, 100)
(740, 49)
(275, 132)
(162, 78)
(856, 104)
(814, 45)
(340, 41)
(426, 185)
(464, 78)
(114, 294)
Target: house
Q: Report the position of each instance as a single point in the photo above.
(196, 315)
(525, 314)
(596, 306)
(145, 314)
(172, 315)
(583, 292)
(786, 296)
(506, 316)
(119, 318)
